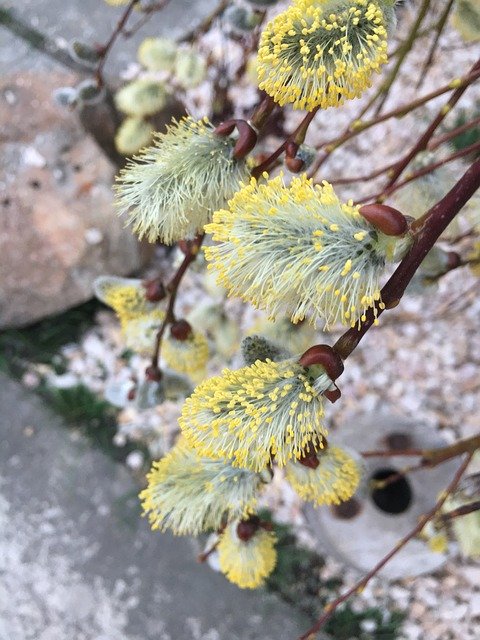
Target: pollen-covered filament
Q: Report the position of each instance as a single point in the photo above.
(298, 249)
(256, 413)
(318, 53)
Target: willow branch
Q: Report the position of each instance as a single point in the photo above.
(357, 126)
(453, 133)
(406, 47)
(106, 48)
(433, 48)
(382, 195)
(361, 584)
(427, 135)
(464, 510)
(298, 136)
(426, 232)
(172, 290)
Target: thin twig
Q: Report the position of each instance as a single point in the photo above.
(172, 290)
(407, 45)
(422, 143)
(464, 510)
(382, 195)
(453, 133)
(356, 127)
(361, 584)
(433, 48)
(106, 48)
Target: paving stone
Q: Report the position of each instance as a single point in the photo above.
(77, 561)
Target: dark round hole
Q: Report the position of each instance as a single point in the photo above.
(346, 510)
(35, 184)
(395, 497)
(6, 202)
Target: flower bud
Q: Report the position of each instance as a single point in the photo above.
(386, 219)
(153, 373)
(154, 290)
(157, 54)
(180, 330)
(142, 97)
(246, 529)
(84, 53)
(325, 356)
(133, 135)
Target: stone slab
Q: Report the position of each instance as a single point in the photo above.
(91, 21)
(77, 561)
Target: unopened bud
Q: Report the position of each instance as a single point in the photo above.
(247, 528)
(181, 330)
(154, 290)
(326, 357)
(310, 460)
(295, 165)
(386, 219)
(153, 373)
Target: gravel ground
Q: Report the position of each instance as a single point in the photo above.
(421, 362)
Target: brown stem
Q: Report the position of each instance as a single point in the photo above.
(358, 586)
(382, 195)
(172, 289)
(426, 137)
(298, 136)
(464, 510)
(426, 232)
(356, 127)
(403, 53)
(436, 142)
(433, 48)
(105, 49)
(147, 13)
(390, 453)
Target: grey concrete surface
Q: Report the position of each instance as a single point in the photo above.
(77, 561)
(91, 21)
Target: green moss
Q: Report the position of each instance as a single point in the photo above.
(42, 341)
(78, 405)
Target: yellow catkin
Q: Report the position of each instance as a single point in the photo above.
(188, 494)
(298, 250)
(186, 356)
(319, 53)
(250, 415)
(247, 564)
(334, 480)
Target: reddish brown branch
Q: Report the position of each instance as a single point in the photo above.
(464, 510)
(436, 142)
(332, 606)
(427, 135)
(105, 49)
(356, 127)
(426, 232)
(172, 289)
